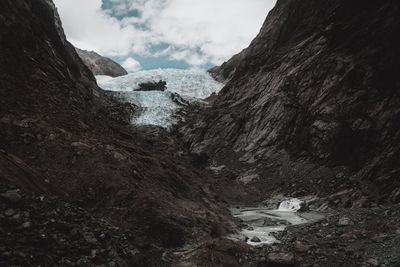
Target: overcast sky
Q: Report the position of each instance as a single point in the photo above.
(145, 34)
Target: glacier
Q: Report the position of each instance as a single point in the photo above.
(158, 108)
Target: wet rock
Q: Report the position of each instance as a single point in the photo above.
(119, 156)
(74, 232)
(80, 145)
(26, 225)
(274, 202)
(284, 259)
(372, 262)
(301, 247)
(303, 207)
(255, 239)
(90, 237)
(12, 196)
(9, 212)
(340, 175)
(345, 221)
(16, 217)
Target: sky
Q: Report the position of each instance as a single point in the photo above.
(149, 34)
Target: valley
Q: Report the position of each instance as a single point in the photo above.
(286, 155)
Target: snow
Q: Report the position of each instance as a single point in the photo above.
(157, 107)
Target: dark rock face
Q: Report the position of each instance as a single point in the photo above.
(100, 65)
(313, 103)
(225, 72)
(46, 231)
(27, 63)
(153, 86)
(61, 135)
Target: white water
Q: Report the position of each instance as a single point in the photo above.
(262, 222)
(157, 107)
(293, 204)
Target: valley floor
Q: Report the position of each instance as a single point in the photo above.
(138, 222)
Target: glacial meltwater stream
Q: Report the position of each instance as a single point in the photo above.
(158, 108)
(259, 223)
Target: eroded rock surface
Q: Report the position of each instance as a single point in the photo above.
(100, 65)
(61, 135)
(312, 104)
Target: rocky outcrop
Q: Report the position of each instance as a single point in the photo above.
(153, 86)
(225, 72)
(100, 65)
(312, 104)
(61, 135)
(44, 230)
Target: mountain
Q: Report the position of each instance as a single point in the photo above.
(310, 110)
(312, 105)
(100, 65)
(65, 140)
(225, 72)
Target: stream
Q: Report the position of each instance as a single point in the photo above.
(158, 108)
(260, 224)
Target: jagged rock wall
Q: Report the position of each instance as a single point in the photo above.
(316, 94)
(32, 53)
(225, 72)
(60, 134)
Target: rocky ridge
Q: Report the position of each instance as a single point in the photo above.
(303, 112)
(100, 65)
(311, 105)
(62, 136)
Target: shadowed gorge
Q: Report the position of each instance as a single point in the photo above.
(62, 134)
(288, 157)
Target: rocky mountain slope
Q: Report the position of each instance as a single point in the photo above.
(310, 108)
(225, 72)
(63, 137)
(312, 105)
(100, 65)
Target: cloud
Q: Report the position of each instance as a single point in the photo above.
(131, 65)
(89, 27)
(197, 32)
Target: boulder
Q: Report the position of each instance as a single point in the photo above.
(281, 259)
(11, 196)
(153, 86)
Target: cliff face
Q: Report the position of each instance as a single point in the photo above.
(61, 135)
(313, 103)
(34, 53)
(225, 72)
(100, 65)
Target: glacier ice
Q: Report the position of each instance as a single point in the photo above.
(157, 107)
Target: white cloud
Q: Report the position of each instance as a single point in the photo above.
(89, 27)
(131, 65)
(198, 32)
